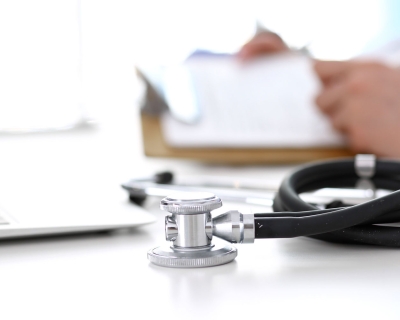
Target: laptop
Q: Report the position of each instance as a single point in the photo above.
(85, 209)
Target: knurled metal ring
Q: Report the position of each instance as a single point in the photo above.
(220, 253)
(190, 202)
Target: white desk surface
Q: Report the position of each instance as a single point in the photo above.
(107, 276)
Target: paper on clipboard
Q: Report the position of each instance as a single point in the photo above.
(266, 103)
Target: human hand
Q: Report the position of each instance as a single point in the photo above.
(362, 100)
(262, 43)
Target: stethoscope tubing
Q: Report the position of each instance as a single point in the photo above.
(294, 217)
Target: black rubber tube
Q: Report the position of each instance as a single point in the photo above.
(356, 224)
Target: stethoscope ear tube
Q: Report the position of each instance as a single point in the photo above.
(294, 217)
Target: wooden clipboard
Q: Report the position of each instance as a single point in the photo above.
(155, 146)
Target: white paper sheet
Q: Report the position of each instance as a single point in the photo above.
(268, 102)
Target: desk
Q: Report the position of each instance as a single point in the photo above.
(107, 276)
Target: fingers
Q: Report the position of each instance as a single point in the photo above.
(329, 71)
(331, 98)
(263, 43)
(341, 117)
(345, 80)
(340, 79)
(346, 120)
(332, 70)
(334, 97)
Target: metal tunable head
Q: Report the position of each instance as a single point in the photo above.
(215, 255)
(190, 203)
(190, 229)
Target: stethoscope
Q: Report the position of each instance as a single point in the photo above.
(190, 227)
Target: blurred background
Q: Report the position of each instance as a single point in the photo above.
(71, 59)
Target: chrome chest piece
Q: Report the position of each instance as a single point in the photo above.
(190, 228)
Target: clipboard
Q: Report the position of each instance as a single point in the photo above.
(155, 145)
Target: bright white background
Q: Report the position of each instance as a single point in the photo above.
(119, 34)
(44, 45)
